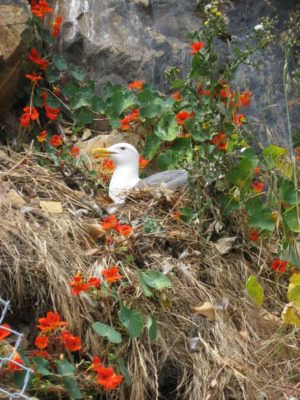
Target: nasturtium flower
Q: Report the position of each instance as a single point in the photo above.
(177, 96)
(71, 342)
(42, 137)
(220, 141)
(93, 282)
(238, 119)
(136, 85)
(108, 165)
(34, 77)
(254, 236)
(56, 26)
(143, 162)
(258, 186)
(52, 113)
(40, 8)
(78, 285)
(279, 265)
(109, 379)
(109, 222)
(4, 331)
(15, 367)
(124, 230)
(245, 99)
(30, 113)
(75, 152)
(226, 93)
(35, 57)
(56, 140)
(181, 116)
(111, 274)
(51, 322)
(196, 47)
(41, 342)
(125, 123)
(256, 170)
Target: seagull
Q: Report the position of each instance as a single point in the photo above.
(126, 173)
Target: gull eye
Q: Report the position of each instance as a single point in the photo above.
(122, 148)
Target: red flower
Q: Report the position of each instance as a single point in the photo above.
(109, 222)
(41, 342)
(34, 77)
(298, 153)
(254, 235)
(238, 119)
(40, 8)
(182, 116)
(78, 285)
(71, 342)
(41, 353)
(50, 322)
(203, 92)
(75, 152)
(245, 99)
(279, 265)
(93, 282)
(258, 186)
(109, 379)
(14, 367)
(135, 114)
(220, 141)
(42, 136)
(177, 96)
(4, 332)
(51, 113)
(124, 230)
(56, 26)
(176, 214)
(96, 363)
(136, 85)
(35, 58)
(30, 113)
(55, 141)
(226, 93)
(108, 165)
(196, 47)
(142, 162)
(111, 274)
(256, 171)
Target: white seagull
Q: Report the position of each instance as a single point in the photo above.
(126, 173)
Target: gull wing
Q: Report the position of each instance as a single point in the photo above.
(172, 179)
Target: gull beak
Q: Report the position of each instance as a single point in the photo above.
(99, 152)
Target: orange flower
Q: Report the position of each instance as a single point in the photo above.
(96, 363)
(56, 26)
(41, 353)
(40, 8)
(220, 141)
(136, 85)
(14, 367)
(245, 99)
(124, 230)
(4, 332)
(34, 77)
(108, 165)
(226, 93)
(78, 285)
(71, 342)
(125, 123)
(203, 92)
(182, 116)
(176, 214)
(258, 186)
(51, 113)
(111, 274)
(55, 141)
(36, 59)
(42, 136)
(298, 153)
(196, 47)
(41, 342)
(30, 113)
(109, 222)
(75, 152)
(238, 119)
(254, 235)
(108, 378)
(50, 322)
(93, 282)
(177, 96)
(279, 265)
(256, 171)
(142, 162)
(135, 114)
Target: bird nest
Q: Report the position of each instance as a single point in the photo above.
(212, 342)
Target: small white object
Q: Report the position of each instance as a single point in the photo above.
(258, 27)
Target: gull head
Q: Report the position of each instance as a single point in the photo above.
(122, 154)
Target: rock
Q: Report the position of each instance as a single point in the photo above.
(13, 18)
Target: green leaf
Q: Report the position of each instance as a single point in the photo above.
(293, 293)
(110, 332)
(78, 73)
(252, 156)
(152, 327)
(60, 62)
(168, 159)
(67, 371)
(41, 366)
(71, 89)
(151, 103)
(291, 253)
(98, 105)
(147, 292)
(254, 205)
(46, 36)
(52, 75)
(241, 174)
(124, 371)
(52, 101)
(262, 219)
(152, 144)
(178, 84)
(167, 127)
(255, 290)
(292, 219)
(229, 203)
(272, 154)
(132, 320)
(156, 279)
(83, 115)
(287, 192)
(122, 100)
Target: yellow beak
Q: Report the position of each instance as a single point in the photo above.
(99, 152)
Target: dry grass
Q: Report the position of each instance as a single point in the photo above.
(242, 354)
